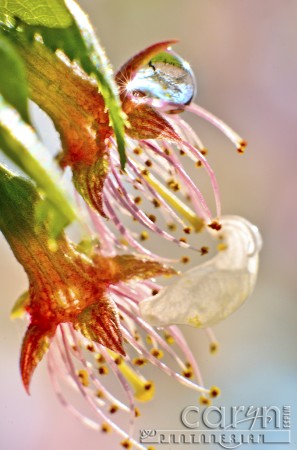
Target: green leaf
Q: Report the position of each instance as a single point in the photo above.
(48, 13)
(101, 68)
(79, 43)
(19, 199)
(21, 144)
(13, 85)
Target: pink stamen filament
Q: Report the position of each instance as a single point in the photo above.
(164, 106)
(89, 399)
(155, 194)
(149, 330)
(197, 198)
(162, 366)
(142, 218)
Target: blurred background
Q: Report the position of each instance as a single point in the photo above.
(244, 56)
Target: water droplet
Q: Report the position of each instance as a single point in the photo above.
(166, 77)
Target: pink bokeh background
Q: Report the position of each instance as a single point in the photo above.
(244, 56)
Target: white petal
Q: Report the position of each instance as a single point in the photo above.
(208, 293)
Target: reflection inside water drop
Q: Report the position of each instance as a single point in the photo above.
(166, 77)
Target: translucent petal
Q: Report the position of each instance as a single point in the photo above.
(208, 293)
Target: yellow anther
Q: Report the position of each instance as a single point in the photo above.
(90, 347)
(106, 428)
(185, 259)
(188, 230)
(214, 391)
(118, 360)
(113, 409)
(188, 373)
(156, 203)
(100, 394)
(143, 389)
(182, 209)
(171, 226)
(242, 145)
(139, 361)
(137, 151)
(148, 338)
(204, 250)
(168, 338)
(203, 400)
(143, 236)
(126, 444)
(215, 225)
(137, 200)
(83, 377)
(136, 412)
(222, 247)
(124, 242)
(99, 358)
(157, 353)
(174, 185)
(152, 218)
(213, 347)
(136, 336)
(103, 370)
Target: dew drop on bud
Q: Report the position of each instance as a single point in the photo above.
(166, 77)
